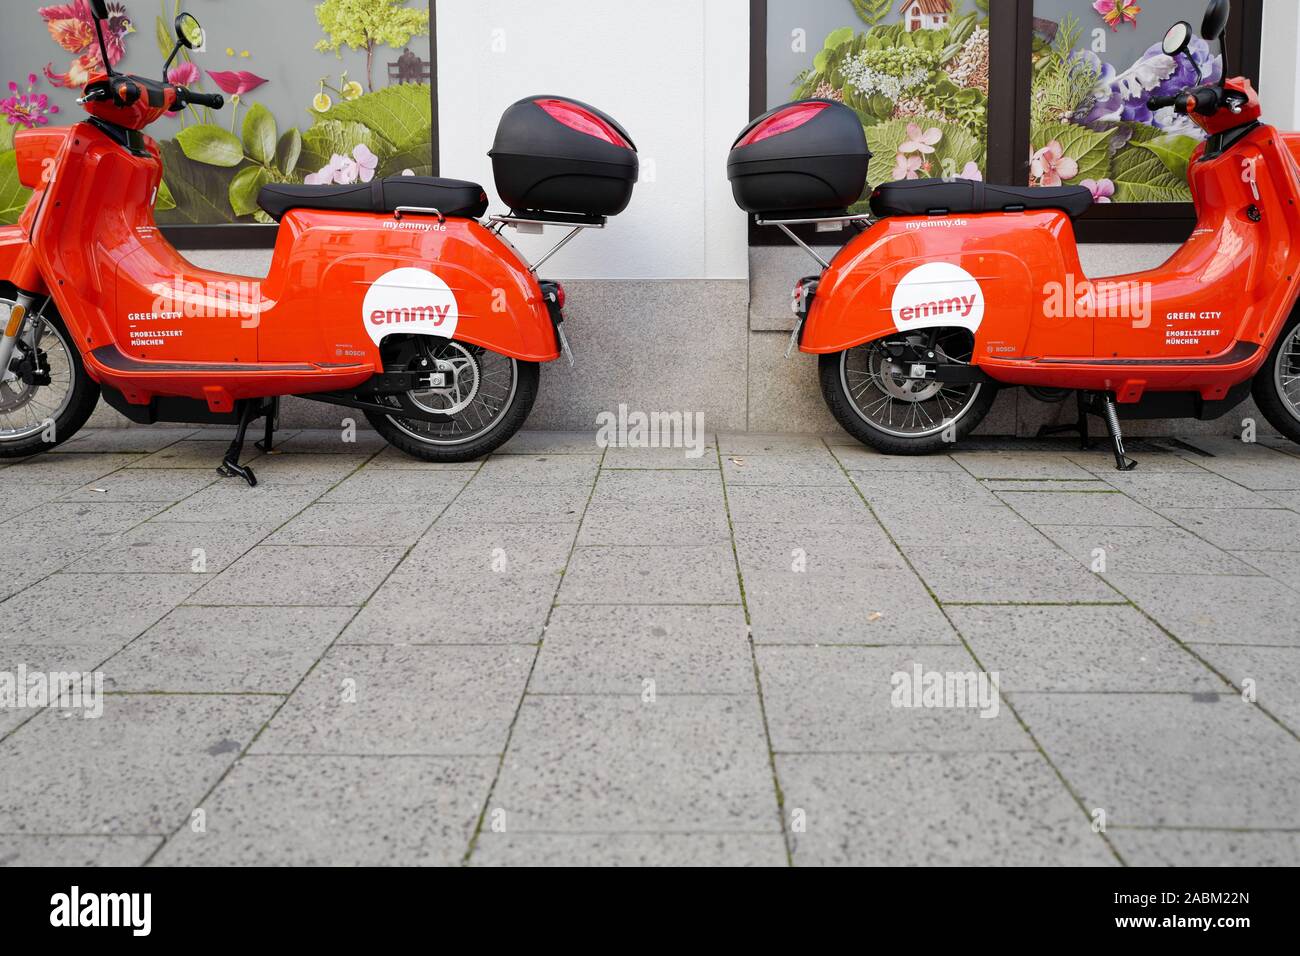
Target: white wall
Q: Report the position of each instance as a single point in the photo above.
(1279, 82)
(675, 73)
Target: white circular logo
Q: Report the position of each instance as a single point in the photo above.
(938, 294)
(409, 301)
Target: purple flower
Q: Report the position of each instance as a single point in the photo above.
(1123, 96)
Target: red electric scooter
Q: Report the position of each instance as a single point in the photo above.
(953, 289)
(389, 297)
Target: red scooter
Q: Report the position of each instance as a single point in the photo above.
(390, 297)
(953, 289)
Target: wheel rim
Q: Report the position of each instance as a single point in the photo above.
(482, 391)
(26, 409)
(1286, 373)
(883, 396)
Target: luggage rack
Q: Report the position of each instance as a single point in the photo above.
(534, 223)
(823, 224)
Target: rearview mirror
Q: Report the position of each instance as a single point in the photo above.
(99, 8)
(188, 32)
(1216, 20)
(1178, 39)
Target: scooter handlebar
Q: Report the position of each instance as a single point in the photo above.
(1160, 102)
(211, 100)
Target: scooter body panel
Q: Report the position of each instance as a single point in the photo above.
(1203, 321)
(151, 323)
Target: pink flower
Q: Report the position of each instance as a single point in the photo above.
(27, 108)
(1101, 189)
(367, 162)
(972, 172)
(346, 170)
(1115, 12)
(1051, 167)
(328, 174)
(920, 142)
(907, 167)
(183, 74)
(236, 82)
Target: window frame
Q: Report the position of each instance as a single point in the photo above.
(1011, 29)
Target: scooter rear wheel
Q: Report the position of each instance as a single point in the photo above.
(484, 401)
(45, 396)
(873, 398)
(1277, 385)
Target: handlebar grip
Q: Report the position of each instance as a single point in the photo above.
(1160, 102)
(211, 100)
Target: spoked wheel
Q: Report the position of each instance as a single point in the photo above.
(874, 393)
(480, 399)
(1277, 384)
(45, 393)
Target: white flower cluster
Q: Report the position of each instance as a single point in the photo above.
(869, 81)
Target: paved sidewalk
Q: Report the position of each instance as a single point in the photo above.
(571, 655)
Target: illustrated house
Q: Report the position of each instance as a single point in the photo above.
(925, 14)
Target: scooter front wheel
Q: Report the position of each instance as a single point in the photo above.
(1276, 388)
(478, 400)
(45, 393)
(872, 394)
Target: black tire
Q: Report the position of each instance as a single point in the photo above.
(845, 411)
(1271, 401)
(529, 376)
(81, 405)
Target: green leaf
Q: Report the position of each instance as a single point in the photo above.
(1140, 176)
(164, 201)
(419, 160)
(288, 151)
(260, 135)
(401, 115)
(201, 191)
(838, 38)
(164, 33)
(245, 187)
(211, 145)
(322, 141)
(1174, 150)
(1091, 150)
(6, 136)
(13, 194)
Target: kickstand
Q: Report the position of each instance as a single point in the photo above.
(1081, 426)
(272, 412)
(230, 466)
(1122, 461)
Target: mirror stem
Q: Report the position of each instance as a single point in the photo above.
(103, 48)
(168, 65)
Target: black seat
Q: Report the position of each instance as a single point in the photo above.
(926, 197)
(451, 197)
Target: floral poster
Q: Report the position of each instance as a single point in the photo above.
(336, 91)
(916, 73)
(1096, 64)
